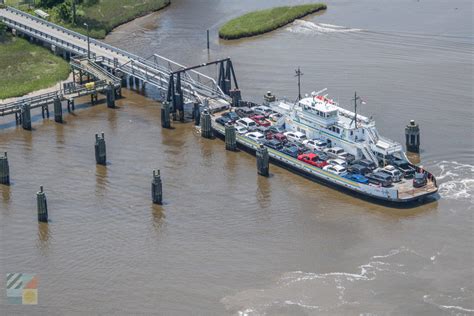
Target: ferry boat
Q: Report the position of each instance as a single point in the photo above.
(321, 118)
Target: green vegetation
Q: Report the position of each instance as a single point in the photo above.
(102, 16)
(25, 67)
(264, 21)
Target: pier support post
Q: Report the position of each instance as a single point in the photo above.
(58, 111)
(236, 96)
(110, 93)
(42, 206)
(4, 170)
(26, 116)
(157, 188)
(100, 150)
(230, 138)
(412, 136)
(197, 114)
(263, 165)
(165, 115)
(45, 111)
(206, 127)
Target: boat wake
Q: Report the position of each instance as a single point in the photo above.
(456, 180)
(307, 27)
(369, 289)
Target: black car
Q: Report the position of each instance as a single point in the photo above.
(380, 178)
(405, 167)
(274, 144)
(244, 112)
(223, 120)
(321, 155)
(301, 148)
(231, 115)
(365, 163)
(419, 180)
(358, 169)
(290, 151)
(276, 129)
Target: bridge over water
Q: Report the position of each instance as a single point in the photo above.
(179, 84)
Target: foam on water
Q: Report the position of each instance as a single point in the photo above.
(307, 27)
(456, 180)
(328, 292)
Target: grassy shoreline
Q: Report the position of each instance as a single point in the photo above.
(102, 16)
(25, 68)
(263, 21)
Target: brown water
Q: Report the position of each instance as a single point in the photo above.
(227, 241)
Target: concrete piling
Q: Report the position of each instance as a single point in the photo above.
(100, 150)
(4, 170)
(197, 114)
(58, 111)
(412, 136)
(165, 115)
(157, 188)
(230, 138)
(263, 161)
(206, 127)
(110, 93)
(42, 206)
(26, 116)
(45, 111)
(236, 96)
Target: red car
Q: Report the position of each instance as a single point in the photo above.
(312, 159)
(280, 137)
(261, 121)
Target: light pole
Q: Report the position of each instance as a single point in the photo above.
(88, 42)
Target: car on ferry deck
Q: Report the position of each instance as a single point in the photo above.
(290, 151)
(334, 152)
(276, 129)
(275, 116)
(256, 136)
(380, 178)
(295, 136)
(347, 157)
(338, 162)
(263, 110)
(274, 144)
(244, 111)
(357, 178)
(419, 180)
(358, 169)
(247, 123)
(402, 165)
(231, 115)
(223, 120)
(261, 120)
(336, 169)
(365, 163)
(312, 159)
(393, 172)
(315, 144)
(241, 130)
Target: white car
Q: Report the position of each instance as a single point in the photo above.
(295, 136)
(336, 169)
(334, 152)
(249, 124)
(256, 136)
(315, 144)
(275, 116)
(262, 110)
(338, 162)
(393, 172)
(241, 130)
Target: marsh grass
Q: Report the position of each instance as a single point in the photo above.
(264, 21)
(25, 68)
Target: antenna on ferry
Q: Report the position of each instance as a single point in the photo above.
(356, 98)
(299, 74)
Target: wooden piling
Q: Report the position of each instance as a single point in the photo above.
(206, 127)
(42, 206)
(4, 170)
(230, 138)
(263, 166)
(100, 150)
(58, 111)
(157, 188)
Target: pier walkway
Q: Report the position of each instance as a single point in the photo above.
(193, 86)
